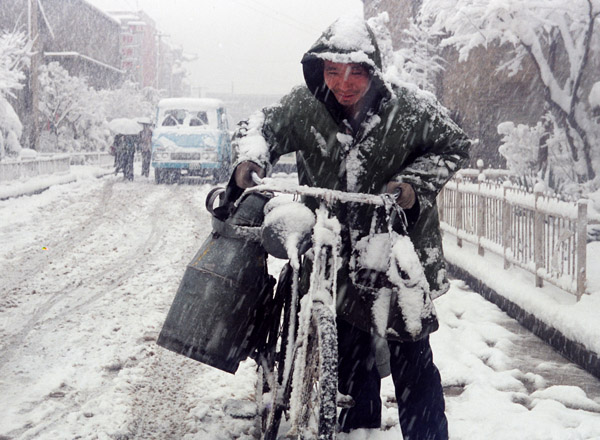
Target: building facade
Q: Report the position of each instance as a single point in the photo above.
(105, 48)
(138, 47)
(82, 38)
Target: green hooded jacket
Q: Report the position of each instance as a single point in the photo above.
(402, 134)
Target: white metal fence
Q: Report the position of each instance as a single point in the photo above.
(538, 233)
(51, 164)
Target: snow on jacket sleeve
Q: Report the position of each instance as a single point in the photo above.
(269, 133)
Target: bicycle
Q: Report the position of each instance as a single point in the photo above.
(304, 388)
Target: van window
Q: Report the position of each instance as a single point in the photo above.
(189, 118)
(199, 119)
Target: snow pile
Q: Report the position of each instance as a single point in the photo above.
(14, 57)
(16, 188)
(576, 320)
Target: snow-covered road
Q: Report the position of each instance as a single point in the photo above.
(89, 270)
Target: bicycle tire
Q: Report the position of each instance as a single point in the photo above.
(319, 393)
(272, 411)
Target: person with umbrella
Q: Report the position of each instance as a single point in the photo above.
(127, 133)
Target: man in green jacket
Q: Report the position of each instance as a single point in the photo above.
(353, 131)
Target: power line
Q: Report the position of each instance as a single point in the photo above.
(286, 16)
(273, 15)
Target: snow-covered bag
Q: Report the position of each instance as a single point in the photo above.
(388, 273)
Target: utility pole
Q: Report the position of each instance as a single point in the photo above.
(34, 36)
(160, 60)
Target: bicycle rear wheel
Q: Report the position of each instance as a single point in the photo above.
(319, 385)
(273, 392)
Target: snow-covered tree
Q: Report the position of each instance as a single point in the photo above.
(75, 115)
(557, 37)
(416, 61)
(419, 57)
(14, 58)
(62, 103)
(130, 101)
(538, 153)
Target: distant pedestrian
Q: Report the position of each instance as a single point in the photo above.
(146, 146)
(117, 150)
(129, 146)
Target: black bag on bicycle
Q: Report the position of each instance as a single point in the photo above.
(217, 316)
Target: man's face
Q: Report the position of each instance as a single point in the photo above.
(348, 82)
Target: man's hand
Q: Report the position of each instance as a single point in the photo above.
(405, 194)
(243, 174)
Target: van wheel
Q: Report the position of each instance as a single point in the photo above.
(158, 176)
(172, 177)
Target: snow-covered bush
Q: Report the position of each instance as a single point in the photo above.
(539, 154)
(14, 58)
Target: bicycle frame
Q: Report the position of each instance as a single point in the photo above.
(321, 297)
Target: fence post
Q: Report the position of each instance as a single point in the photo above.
(582, 207)
(538, 239)
(480, 217)
(441, 201)
(459, 213)
(506, 226)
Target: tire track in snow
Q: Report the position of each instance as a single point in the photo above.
(115, 272)
(31, 264)
(139, 259)
(170, 401)
(163, 400)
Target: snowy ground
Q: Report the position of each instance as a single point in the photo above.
(89, 270)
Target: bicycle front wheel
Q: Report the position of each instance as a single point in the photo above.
(319, 385)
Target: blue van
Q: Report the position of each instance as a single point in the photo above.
(191, 139)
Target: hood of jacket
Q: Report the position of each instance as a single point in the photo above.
(347, 40)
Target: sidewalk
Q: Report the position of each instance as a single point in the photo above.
(38, 184)
(570, 327)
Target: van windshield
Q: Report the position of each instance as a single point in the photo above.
(178, 117)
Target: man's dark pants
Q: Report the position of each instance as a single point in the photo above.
(416, 380)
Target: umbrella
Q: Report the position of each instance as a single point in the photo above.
(124, 126)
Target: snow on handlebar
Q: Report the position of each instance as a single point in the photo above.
(327, 195)
(256, 178)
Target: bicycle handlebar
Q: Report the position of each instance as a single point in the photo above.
(327, 195)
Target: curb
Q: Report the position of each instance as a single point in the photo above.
(45, 186)
(572, 350)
